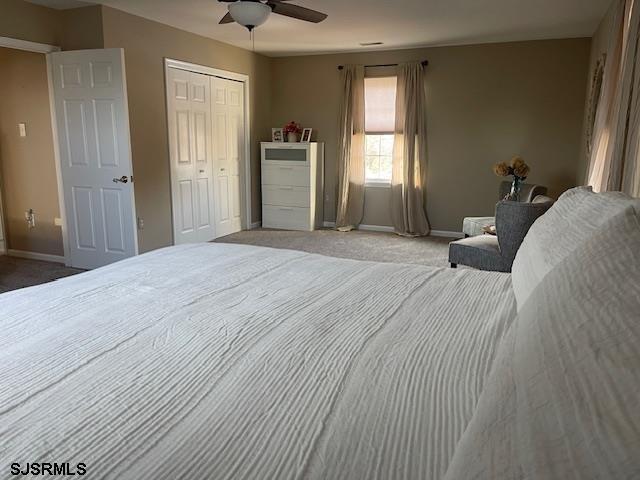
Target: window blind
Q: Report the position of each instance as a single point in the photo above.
(380, 104)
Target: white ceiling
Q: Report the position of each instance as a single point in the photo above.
(397, 23)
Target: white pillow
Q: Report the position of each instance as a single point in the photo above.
(572, 219)
(563, 397)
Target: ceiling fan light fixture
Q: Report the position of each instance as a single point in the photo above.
(249, 14)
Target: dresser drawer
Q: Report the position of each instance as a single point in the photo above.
(291, 218)
(287, 196)
(296, 176)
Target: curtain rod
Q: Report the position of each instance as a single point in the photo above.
(424, 64)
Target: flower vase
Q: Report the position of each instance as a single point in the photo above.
(514, 195)
(292, 137)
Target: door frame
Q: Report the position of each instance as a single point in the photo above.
(44, 48)
(239, 77)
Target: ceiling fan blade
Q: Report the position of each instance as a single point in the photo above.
(295, 11)
(226, 19)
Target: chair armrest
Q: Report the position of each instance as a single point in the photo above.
(513, 220)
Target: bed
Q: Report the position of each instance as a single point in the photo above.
(227, 361)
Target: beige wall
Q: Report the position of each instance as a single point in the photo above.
(146, 44)
(486, 103)
(27, 163)
(82, 28)
(74, 29)
(26, 21)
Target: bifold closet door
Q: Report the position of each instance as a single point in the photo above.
(190, 130)
(228, 156)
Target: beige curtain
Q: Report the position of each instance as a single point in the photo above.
(409, 173)
(351, 149)
(614, 162)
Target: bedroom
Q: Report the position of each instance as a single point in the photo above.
(226, 329)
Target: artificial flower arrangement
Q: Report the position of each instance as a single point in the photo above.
(518, 169)
(292, 130)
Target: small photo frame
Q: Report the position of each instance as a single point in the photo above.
(306, 135)
(277, 135)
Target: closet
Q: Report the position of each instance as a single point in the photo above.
(206, 123)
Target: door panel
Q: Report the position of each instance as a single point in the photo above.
(106, 133)
(182, 137)
(189, 107)
(76, 133)
(92, 117)
(228, 108)
(186, 201)
(204, 201)
(112, 208)
(85, 221)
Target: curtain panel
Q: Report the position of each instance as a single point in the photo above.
(614, 162)
(409, 170)
(351, 142)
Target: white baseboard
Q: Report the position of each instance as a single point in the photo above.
(385, 228)
(376, 228)
(445, 233)
(255, 225)
(36, 256)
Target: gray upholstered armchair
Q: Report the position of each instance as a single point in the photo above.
(472, 226)
(497, 252)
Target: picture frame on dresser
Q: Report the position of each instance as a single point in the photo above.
(277, 135)
(292, 185)
(306, 135)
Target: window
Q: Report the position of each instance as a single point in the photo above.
(379, 122)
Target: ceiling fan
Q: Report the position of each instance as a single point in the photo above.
(251, 13)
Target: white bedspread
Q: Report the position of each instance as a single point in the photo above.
(226, 361)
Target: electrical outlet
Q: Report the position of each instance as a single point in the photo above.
(57, 222)
(22, 129)
(30, 217)
(140, 223)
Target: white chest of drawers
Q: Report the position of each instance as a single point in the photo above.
(292, 185)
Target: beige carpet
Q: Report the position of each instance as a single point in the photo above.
(359, 245)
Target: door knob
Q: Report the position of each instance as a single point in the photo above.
(122, 179)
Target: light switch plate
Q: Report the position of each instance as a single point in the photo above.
(57, 222)
(22, 129)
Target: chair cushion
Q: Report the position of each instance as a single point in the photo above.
(568, 223)
(473, 226)
(481, 252)
(562, 397)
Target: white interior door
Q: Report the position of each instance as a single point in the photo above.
(228, 156)
(189, 111)
(92, 119)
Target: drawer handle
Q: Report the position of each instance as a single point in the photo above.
(286, 209)
(286, 168)
(285, 188)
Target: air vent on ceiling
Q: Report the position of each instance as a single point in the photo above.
(370, 44)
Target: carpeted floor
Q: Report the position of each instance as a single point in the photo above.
(20, 272)
(359, 245)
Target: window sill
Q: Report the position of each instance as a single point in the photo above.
(377, 184)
